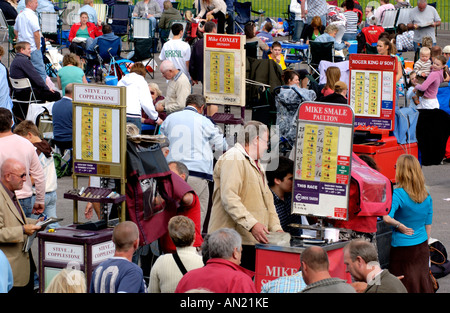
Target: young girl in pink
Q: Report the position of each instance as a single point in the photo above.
(431, 85)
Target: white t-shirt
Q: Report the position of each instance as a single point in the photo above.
(27, 23)
(177, 51)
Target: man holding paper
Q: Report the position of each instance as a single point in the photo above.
(15, 227)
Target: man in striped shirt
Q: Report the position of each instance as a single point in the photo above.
(315, 8)
(352, 21)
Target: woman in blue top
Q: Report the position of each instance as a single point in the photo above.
(411, 216)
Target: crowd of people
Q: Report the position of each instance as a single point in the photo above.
(210, 243)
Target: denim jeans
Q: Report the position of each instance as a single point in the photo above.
(50, 207)
(136, 121)
(38, 62)
(298, 29)
(27, 205)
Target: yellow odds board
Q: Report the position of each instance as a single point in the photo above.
(87, 133)
(366, 95)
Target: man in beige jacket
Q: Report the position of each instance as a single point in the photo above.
(242, 199)
(15, 227)
(178, 88)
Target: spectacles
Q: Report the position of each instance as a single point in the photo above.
(21, 176)
(152, 92)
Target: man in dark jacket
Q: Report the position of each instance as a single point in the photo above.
(168, 15)
(196, 61)
(21, 67)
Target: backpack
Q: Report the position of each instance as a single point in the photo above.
(375, 189)
(63, 164)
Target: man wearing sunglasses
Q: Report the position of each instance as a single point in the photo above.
(15, 227)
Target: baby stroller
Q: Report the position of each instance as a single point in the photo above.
(287, 102)
(112, 71)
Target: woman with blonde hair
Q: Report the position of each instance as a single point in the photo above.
(70, 72)
(411, 217)
(68, 281)
(157, 96)
(333, 74)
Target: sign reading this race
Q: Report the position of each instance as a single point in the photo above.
(323, 158)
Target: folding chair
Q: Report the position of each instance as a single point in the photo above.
(141, 28)
(389, 18)
(143, 50)
(403, 16)
(244, 11)
(102, 11)
(371, 49)
(4, 24)
(289, 17)
(51, 27)
(11, 44)
(20, 105)
(120, 19)
(251, 49)
(184, 23)
(318, 51)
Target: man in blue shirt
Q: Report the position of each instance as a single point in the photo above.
(5, 99)
(119, 274)
(6, 274)
(88, 7)
(62, 120)
(192, 139)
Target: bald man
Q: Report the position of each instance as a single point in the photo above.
(178, 88)
(15, 227)
(119, 274)
(314, 267)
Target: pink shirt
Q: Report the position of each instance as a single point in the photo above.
(431, 85)
(17, 147)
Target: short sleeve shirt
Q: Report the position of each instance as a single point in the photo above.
(428, 16)
(27, 23)
(178, 52)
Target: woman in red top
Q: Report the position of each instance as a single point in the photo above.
(82, 34)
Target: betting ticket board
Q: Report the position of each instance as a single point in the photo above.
(224, 69)
(372, 89)
(99, 130)
(323, 160)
